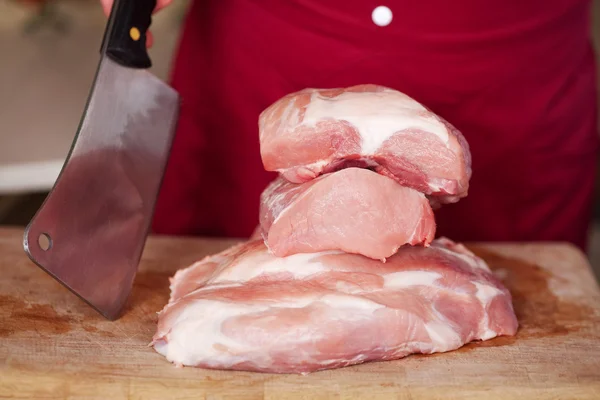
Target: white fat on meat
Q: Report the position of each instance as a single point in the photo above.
(245, 309)
(405, 279)
(376, 116)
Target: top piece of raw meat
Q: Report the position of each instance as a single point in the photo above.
(316, 131)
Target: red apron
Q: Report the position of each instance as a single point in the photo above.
(516, 77)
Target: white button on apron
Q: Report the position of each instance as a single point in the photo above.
(382, 16)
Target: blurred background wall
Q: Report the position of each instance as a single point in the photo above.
(48, 56)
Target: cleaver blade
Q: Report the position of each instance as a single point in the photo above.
(90, 231)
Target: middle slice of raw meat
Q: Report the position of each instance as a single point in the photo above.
(354, 210)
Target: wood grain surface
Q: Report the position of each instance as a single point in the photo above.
(53, 346)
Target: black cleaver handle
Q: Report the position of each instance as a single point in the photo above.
(125, 36)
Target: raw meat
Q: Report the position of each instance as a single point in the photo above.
(354, 210)
(315, 131)
(245, 309)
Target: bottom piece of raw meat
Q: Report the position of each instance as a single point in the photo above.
(245, 309)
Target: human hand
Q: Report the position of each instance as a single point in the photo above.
(160, 4)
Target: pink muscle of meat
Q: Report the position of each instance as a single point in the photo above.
(316, 131)
(354, 210)
(245, 309)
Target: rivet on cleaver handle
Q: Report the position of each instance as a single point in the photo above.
(90, 231)
(125, 36)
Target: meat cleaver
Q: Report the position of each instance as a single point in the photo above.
(90, 231)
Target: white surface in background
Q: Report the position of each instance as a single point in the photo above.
(29, 177)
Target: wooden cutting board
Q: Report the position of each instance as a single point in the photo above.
(53, 346)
